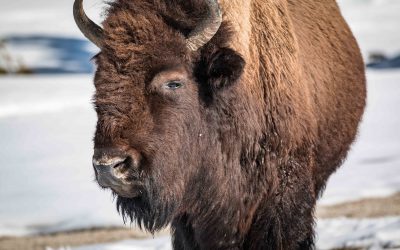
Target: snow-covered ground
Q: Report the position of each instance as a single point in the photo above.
(373, 165)
(375, 23)
(161, 243)
(46, 126)
(376, 234)
(47, 123)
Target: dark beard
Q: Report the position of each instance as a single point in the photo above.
(150, 211)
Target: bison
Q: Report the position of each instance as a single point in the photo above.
(223, 119)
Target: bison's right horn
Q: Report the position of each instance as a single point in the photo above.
(89, 29)
(207, 28)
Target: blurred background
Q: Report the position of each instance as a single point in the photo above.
(48, 199)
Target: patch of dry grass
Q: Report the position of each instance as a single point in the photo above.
(71, 239)
(366, 208)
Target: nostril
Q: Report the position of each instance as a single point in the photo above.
(119, 165)
(112, 161)
(122, 165)
(108, 163)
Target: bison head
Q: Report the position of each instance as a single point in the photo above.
(164, 73)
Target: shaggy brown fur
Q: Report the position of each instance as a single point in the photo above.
(236, 157)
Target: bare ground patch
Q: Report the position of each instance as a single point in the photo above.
(366, 208)
(73, 238)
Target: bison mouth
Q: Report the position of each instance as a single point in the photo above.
(120, 176)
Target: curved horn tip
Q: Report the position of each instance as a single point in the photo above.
(89, 29)
(206, 30)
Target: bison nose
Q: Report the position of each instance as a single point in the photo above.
(116, 168)
(110, 171)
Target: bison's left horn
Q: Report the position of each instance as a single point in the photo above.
(91, 30)
(207, 28)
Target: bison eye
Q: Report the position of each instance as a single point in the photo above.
(173, 85)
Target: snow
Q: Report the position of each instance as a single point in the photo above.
(357, 233)
(160, 243)
(375, 24)
(49, 54)
(31, 32)
(34, 95)
(47, 124)
(372, 167)
(21, 17)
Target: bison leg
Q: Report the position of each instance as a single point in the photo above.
(307, 244)
(285, 220)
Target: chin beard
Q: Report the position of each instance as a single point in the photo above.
(150, 211)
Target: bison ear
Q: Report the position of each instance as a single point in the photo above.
(224, 68)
